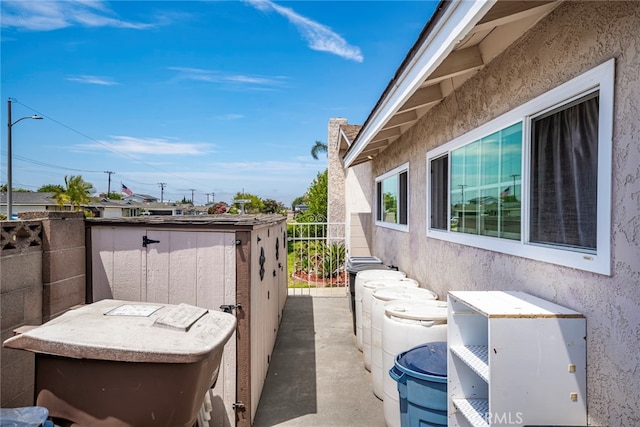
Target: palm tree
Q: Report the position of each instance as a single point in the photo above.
(76, 192)
(317, 148)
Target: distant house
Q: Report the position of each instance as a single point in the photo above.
(31, 202)
(161, 209)
(104, 208)
(475, 113)
(300, 208)
(141, 198)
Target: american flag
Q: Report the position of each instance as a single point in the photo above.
(126, 190)
(505, 192)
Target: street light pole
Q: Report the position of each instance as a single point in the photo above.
(10, 156)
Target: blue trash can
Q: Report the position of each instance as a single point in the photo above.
(29, 416)
(421, 374)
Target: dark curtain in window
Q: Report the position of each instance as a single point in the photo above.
(439, 192)
(564, 175)
(402, 203)
(379, 198)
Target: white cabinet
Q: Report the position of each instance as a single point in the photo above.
(514, 359)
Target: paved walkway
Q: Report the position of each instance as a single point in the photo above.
(317, 375)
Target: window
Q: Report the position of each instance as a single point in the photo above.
(439, 190)
(564, 175)
(391, 198)
(535, 182)
(485, 185)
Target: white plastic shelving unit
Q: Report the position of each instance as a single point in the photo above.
(514, 359)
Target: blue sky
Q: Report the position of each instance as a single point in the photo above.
(214, 96)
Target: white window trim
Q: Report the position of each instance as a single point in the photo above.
(396, 171)
(599, 78)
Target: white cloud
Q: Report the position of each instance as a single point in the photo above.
(212, 76)
(93, 80)
(53, 15)
(320, 37)
(156, 146)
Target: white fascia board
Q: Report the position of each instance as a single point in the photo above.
(458, 19)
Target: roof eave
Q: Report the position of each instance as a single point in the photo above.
(454, 21)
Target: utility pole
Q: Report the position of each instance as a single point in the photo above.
(192, 190)
(213, 198)
(514, 176)
(208, 194)
(462, 186)
(109, 185)
(162, 185)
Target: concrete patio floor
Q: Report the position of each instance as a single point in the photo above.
(317, 375)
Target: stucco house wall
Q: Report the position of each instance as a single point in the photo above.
(358, 193)
(574, 38)
(349, 194)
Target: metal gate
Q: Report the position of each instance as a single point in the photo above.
(316, 254)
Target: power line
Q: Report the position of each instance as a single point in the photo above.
(97, 141)
(49, 165)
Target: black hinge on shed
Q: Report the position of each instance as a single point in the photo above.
(147, 241)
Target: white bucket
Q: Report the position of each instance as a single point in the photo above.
(362, 277)
(407, 324)
(367, 296)
(379, 297)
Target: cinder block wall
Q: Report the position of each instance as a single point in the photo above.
(63, 263)
(20, 304)
(42, 274)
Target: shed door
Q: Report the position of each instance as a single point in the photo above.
(192, 267)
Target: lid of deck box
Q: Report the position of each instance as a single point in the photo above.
(131, 332)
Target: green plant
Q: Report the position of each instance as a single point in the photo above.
(75, 192)
(333, 257)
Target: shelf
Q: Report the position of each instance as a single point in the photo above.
(474, 410)
(485, 387)
(476, 357)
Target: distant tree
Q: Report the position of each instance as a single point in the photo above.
(3, 189)
(253, 205)
(318, 195)
(318, 147)
(50, 188)
(273, 206)
(75, 192)
(185, 201)
(115, 196)
(218, 208)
